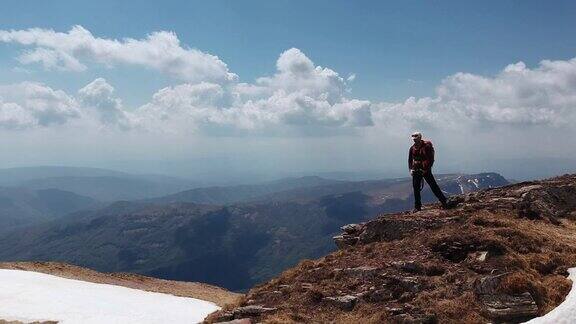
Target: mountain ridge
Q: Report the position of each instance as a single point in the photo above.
(195, 242)
(21, 207)
(501, 255)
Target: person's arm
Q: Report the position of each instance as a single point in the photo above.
(410, 159)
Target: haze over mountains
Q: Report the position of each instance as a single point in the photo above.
(99, 184)
(22, 206)
(195, 235)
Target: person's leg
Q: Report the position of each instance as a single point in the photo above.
(416, 185)
(434, 187)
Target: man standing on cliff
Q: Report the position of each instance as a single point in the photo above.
(420, 161)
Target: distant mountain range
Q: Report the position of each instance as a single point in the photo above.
(225, 195)
(21, 206)
(100, 184)
(248, 234)
(519, 168)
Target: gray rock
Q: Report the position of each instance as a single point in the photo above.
(343, 241)
(351, 228)
(394, 310)
(252, 310)
(224, 317)
(454, 201)
(384, 229)
(489, 284)
(346, 303)
(378, 295)
(409, 266)
(526, 189)
(503, 307)
(397, 285)
(306, 286)
(477, 257)
(389, 228)
(514, 308)
(550, 202)
(361, 272)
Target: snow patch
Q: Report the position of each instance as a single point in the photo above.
(475, 181)
(565, 313)
(33, 296)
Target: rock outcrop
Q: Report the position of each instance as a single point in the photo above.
(499, 255)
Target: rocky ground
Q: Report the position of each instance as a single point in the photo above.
(202, 291)
(500, 255)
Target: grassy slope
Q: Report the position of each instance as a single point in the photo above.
(528, 236)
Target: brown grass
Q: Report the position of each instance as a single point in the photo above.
(536, 253)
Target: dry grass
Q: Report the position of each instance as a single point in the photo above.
(536, 253)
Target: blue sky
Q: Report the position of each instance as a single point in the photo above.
(397, 49)
(90, 82)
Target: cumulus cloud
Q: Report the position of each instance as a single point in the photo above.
(161, 51)
(299, 95)
(518, 95)
(29, 104)
(98, 98)
(52, 60)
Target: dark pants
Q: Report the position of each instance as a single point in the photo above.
(417, 185)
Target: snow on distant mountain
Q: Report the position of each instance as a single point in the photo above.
(475, 182)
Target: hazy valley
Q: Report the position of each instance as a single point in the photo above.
(195, 235)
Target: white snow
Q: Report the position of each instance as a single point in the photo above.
(31, 296)
(565, 313)
(461, 188)
(475, 181)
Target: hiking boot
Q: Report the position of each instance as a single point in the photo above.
(416, 209)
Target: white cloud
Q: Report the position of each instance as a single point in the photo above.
(160, 51)
(299, 95)
(297, 73)
(545, 95)
(52, 60)
(98, 98)
(28, 105)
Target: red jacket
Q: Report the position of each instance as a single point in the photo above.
(421, 157)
